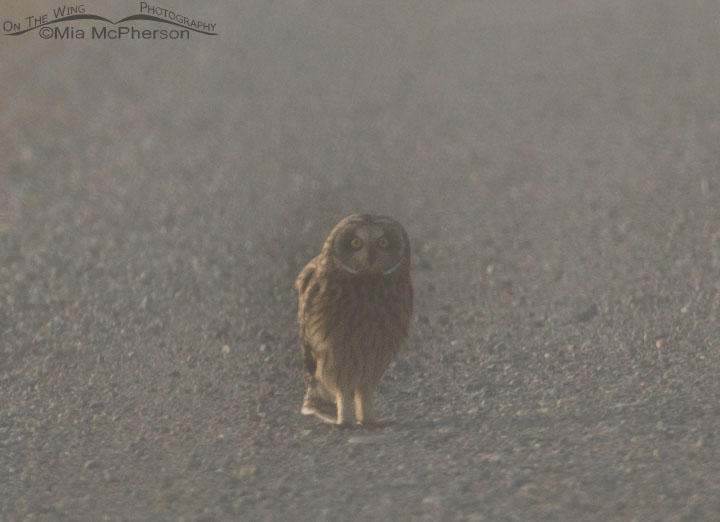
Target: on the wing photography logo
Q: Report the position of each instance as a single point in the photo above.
(58, 25)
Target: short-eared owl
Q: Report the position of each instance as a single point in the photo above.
(355, 304)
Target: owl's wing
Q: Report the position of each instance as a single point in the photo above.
(306, 285)
(303, 284)
(308, 358)
(317, 401)
(305, 276)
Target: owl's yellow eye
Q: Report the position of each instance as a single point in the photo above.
(383, 242)
(356, 243)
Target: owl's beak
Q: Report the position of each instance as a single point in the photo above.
(371, 256)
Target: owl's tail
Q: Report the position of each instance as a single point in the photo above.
(319, 401)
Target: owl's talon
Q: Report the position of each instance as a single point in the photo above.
(322, 409)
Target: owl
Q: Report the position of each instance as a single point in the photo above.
(354, 310)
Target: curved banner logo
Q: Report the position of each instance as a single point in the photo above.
(175, 26)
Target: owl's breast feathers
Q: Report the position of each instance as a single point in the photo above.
(349, 317)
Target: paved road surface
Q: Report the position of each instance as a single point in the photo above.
(557, 167)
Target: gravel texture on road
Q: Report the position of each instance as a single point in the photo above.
(557, 167)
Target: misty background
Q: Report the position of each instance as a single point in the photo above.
(555, 164)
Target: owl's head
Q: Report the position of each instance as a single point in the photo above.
(364, 244)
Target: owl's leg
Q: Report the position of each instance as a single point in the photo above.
(364, 406)
(344, 408)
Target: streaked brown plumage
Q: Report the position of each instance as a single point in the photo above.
(354, 309)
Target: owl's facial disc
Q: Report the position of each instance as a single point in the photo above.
(370, 248)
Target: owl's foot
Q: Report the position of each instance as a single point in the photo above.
(319, 402)
(326, 411)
